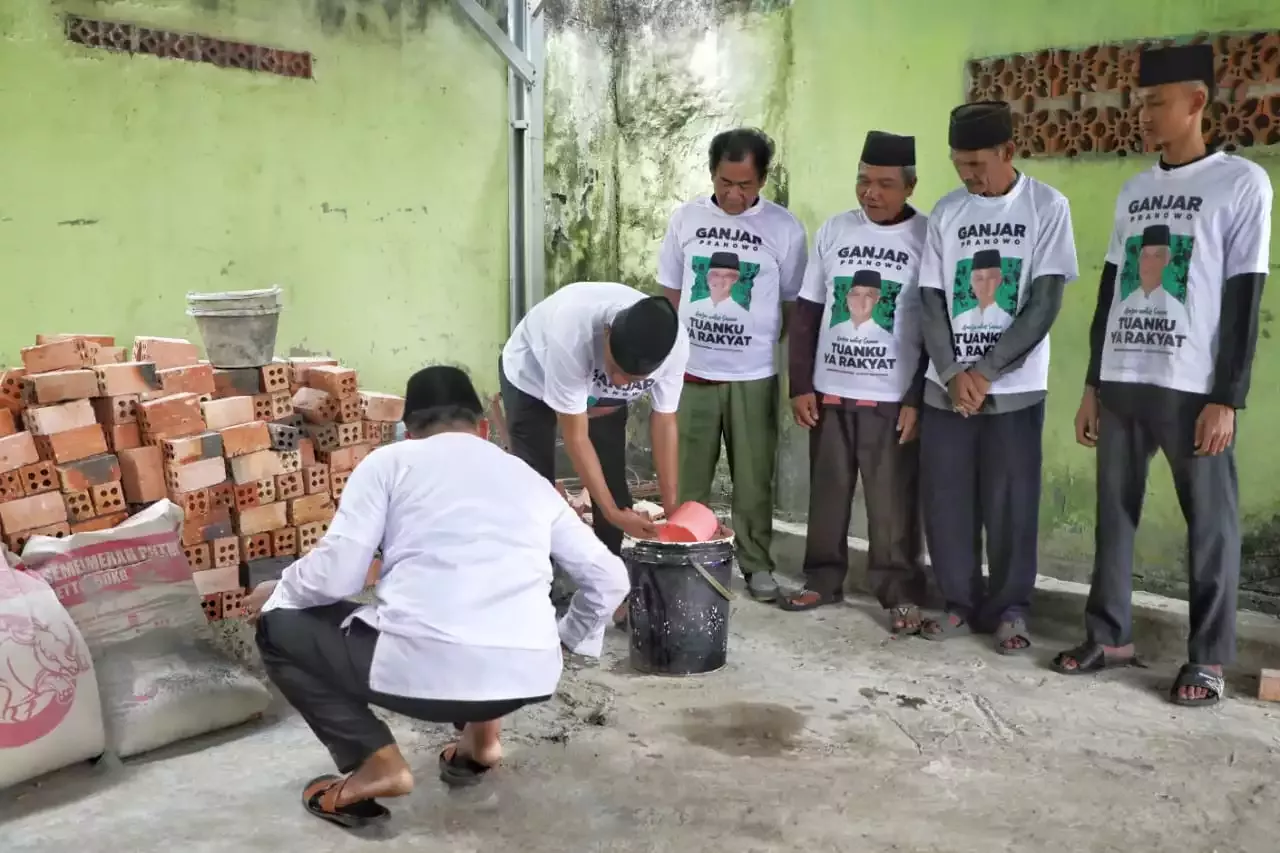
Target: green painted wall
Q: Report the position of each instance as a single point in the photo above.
(818, 74)
(376, 195)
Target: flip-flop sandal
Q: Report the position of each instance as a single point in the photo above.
(943, 629)
(808, 600)
(1198, 675)
(1017, 629)
(460, 771)
(899, 619)
(1090, 658)
(320, 798)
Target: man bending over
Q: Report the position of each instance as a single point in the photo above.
(462, 630)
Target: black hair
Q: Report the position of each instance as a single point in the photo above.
(425, 420)
(738, 144)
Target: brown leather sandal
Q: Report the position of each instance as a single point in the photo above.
(321, 796)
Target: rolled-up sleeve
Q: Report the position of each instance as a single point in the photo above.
(601, 579)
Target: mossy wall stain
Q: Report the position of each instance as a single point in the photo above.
(817, 76)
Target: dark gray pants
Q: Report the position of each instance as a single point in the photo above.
(1134, 422)
(982, 473)
(846, 442)
(323, 670)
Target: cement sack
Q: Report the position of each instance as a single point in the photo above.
(50, 715)
(130, 592)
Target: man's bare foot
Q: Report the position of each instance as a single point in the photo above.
(1094, 657)
(905, 620)
(480, 743)
(1196, 692)
(383, 774)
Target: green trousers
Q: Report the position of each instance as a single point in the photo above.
(745, 415)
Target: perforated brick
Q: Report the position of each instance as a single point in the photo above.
(289, 486)
(107, 498)
(198, 557)
(222, 496)
(256, 546)
(315, 480)
(79, 506)
(337, 483)
(38, 478)
(274, 377)
(193, 503)
(225, 552)
(212, 606)
(310, 534)
(233, 604)
(284, 542)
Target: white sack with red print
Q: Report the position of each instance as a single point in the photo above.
(50, 715)
(129, 590)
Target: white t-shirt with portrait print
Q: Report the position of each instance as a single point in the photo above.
(1217, 212)
(875, 359)
(734, 330)
(1030, 226)
(556, 353)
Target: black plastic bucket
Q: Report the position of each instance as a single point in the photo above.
(679, 619)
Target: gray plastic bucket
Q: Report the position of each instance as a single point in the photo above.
(238, 327)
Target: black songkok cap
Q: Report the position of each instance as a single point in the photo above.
(888, 149)
(724, 261)
(987, 259)
(983, 124)
(866, 278)
(440, 385)
(1155, 235)
(1184, 63)
(642, 335)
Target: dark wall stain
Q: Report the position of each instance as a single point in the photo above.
(78, 222)
(325, 208)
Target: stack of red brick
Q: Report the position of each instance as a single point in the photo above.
(257, 457)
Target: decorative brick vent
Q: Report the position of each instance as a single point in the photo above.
(1073, 102)
(129, 38)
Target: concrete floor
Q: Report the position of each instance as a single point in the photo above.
(823, 734)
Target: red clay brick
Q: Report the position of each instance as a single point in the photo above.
(261, 465)
(38, 477)
(191, 448)
(243, 439)
(116, 410)
(166, 353)
(82, 474)
(290, 461)
(255, 546)
(233, 604)
(214, 524)
(198, 556)
(195, 476)
(65, 354)
(274, 377)
(235, 382)
(18, 541)
(376, 432)
(33, 512)
(108, 498)
(227, 412)
(310, 534)
(359, 452)
(338, 483)
(211, 604)
(48, 420)
(306, 452)
(316, 406)
(130, 377)
(110, 355)
(281, 405)
(315, 480)
(266, 491)
(42, 389)
(142, 473)
(261, 519)
(194, 504)
(284, 542)
(102, 522)
(310, 509)
(299, 367)
(383, 408)
(324, 436)
(11, 485)
(222, 496)
(262, 407)
(216, 582)
(17, 450)
(74, 444)
(339, 382)
(79, 506)
(11, 388)
(193, 379)
(338, 460)
(122, 437)
(8, 424)
(349, 411)
(100, 340)
(247, 495)
(172, 416)
(226, 552)
(289, 486)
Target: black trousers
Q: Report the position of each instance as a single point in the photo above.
(323, 671)
(1134, 422)
(846, 442)
(982, 473)
(532, 426)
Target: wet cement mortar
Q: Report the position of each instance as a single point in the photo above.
(822, 733)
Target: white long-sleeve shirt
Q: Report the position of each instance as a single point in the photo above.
(463, 605)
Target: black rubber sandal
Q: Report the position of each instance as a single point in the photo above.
(1090, 658)
(808, 600)
(1015, 630)
(944, 629)
(460, 771)
(1198, 675)
(321, 796)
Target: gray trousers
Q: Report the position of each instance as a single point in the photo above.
(864, 439)
(982, 473)
(1135, 421)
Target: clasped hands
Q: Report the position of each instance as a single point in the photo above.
(968, 390)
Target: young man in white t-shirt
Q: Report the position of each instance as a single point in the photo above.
(575, 362)
(462, 629)
(1171, 348)
(999, 253)
(732, 263)
(857, 375)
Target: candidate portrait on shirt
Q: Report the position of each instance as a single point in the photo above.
(985, 277)
(861, 300)
(723, 274)
(1153, 259)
